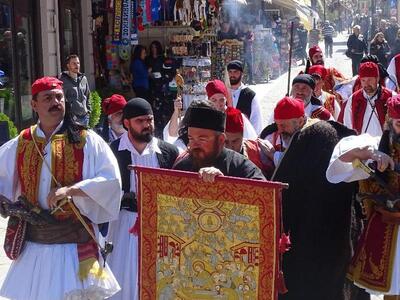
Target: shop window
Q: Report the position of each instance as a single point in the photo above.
(7, 99)
(70, 28)
(26, 59)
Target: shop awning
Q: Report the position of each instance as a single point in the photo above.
(288, 4)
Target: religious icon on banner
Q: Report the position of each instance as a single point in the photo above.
(207, 241)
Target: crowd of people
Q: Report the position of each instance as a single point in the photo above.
(64, 187)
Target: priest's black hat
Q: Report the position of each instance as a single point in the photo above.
(206, 118)
(137, 107)
(306, 79)
(235, 65)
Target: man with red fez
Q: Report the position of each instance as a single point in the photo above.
(47, 163)
(289, 117)
(258, 151)
(365, 110)
(328, 100)
(112, 108)
(376, 262)
(207, 153)
(218, 95)
(333, 75)
(138, 147)
(243, 97)
(303, 86)
(314, 268)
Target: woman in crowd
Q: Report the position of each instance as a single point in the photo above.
(380, 48)
(140, 73)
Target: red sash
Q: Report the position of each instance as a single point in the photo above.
(359, 105)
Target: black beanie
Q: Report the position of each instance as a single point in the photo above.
(306, 79)
(137, 107)
(235, 65)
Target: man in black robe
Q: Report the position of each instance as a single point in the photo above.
(206, 151)
(316, 213)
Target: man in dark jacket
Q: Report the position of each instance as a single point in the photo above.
(356, 46)
(302, 33)
(76, 90)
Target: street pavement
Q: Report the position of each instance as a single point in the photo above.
(269, 94)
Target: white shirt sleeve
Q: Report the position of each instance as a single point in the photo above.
(392, 73)
(249, 132)
(337, 109)
(347, 119)
(339, 171)
(8, 174)
(166, 137)
(101, 181)
(256, 115)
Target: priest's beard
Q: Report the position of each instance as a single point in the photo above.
(201, 159)
(234, 81)
(145, 136)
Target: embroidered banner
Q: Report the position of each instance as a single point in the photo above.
(207, 241)
(117, 21)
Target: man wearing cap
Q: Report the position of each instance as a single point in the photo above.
(328, 100)
(303, 88)
(365, 110)
(46, 164)
(333, 75)
(136, 147)
(289, 117)
(244, 98)
(217, 94)
(376, 263)
(112, 108)
(314, 268)
(206, 147)
(258, 151)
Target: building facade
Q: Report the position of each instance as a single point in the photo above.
(35, 38)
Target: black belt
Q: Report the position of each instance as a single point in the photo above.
(129, 202)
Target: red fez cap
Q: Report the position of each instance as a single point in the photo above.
(46, 84)
(113, 104)
(289, 108)
(319, 70)
(368, 69)
(234, 120)
(216, 87)
(313, 50)
(393, 105)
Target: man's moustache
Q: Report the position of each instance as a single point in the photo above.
(55, 108)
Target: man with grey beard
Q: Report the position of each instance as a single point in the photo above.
(303, 88)
(136, 147)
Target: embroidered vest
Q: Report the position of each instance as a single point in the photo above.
(66, 164)
(329, 102)
(359, 106)
(245, 100)
(373, 262)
